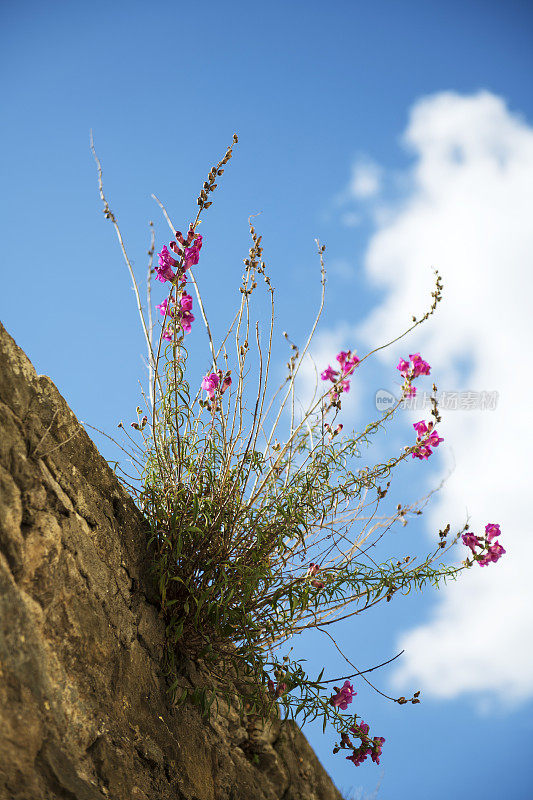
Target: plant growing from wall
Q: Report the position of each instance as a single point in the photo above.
(261, 517)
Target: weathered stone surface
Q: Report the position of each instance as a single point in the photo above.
(84, 711)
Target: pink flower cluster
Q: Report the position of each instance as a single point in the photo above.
(184, 314)
(313, 570)
(343, 696)
(278, 689)
(348, 363)
(213, 380)
(333, 431)
(427, 437)
(188, 251)
(410, 371)
(368, 747)
(494, 550)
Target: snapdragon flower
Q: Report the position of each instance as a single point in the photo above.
(162, 308)
(410, 371)
(494, 549)
(343, 696)
(186, 302)
(210, 383)
(492, 531)
(424, 445)
(185, 321)
(166, 265)
(329, 374)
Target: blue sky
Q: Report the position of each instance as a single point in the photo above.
(400, 135)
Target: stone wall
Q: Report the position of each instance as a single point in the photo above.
(84, 712)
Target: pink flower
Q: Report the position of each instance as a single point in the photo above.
(162, 308)
(329, 374)
(423, 449)
(492, 531)
(471, 541)
(377, 748)
(422, 452)
(403, 366)
(359, 755)
(167, 334)
(409, 391)
(347, 361)
(433, 439)
(210, 383)
(420, 367)
(185, 321)
(186, 302)
(191, 256)
(342, 356)
(226, 383)
(495, 552)
(166, 264)
(343, 696)
(420, 427)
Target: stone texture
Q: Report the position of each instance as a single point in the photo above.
(84, 710)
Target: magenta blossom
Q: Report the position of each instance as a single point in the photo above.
(343, 697)
(347, 361)
(162, 308)
(433, 439)
(403, 366)
(314, 569)
(359, 755)
(226, 383)
(494, 550)
(191, 256)
(422, 452)
(363, 728)
(186, 302)
(166, 265)
(471, 540)
(423, 449)
(411, 371)
(349, 365)
(420, 367)
(329, 374)
(492, 531)
(167, 334)
(377, 748)
(210, 383)
(185, 321)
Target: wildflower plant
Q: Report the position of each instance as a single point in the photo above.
(260, 517)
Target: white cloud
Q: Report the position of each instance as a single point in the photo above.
(366, 179)
(467, 210)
